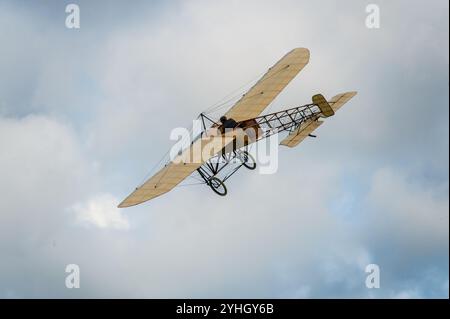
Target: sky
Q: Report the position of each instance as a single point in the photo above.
(86, 113)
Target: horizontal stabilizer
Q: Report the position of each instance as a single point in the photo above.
(337, 101)
(297, 136)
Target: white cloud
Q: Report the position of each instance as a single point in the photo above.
(412, 213)
(407, 294)
(41, 168)
(101, 211)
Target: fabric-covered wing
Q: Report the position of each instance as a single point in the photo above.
(337, 101)
(160, 183)
(179, 169)
(269, 86)
(296, 137)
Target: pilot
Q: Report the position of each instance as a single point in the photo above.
(228, 123)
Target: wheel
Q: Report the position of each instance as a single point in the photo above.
(248, 160)
(217, 186)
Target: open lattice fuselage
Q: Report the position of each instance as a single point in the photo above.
(287, 120)
(255, 129)
(264, 126)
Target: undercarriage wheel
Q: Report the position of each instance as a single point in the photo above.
(217, 186)
(248, 160)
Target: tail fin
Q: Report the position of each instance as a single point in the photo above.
(323, 105)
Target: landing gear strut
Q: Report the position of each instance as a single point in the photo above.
(210, 170)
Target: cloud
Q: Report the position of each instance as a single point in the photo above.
(416, 214)
(42, 170)
(85, 113)
(42, 166)
(405, 227)
(101, 211)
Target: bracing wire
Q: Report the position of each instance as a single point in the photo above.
(192, 184)
(230, 97)
(211, 109)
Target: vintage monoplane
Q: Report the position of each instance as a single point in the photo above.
(227, 139)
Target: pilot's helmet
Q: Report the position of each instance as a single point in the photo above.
(223, 119)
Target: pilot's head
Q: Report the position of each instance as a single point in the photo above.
(223, 119)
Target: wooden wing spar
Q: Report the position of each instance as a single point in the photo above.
(214, 153)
